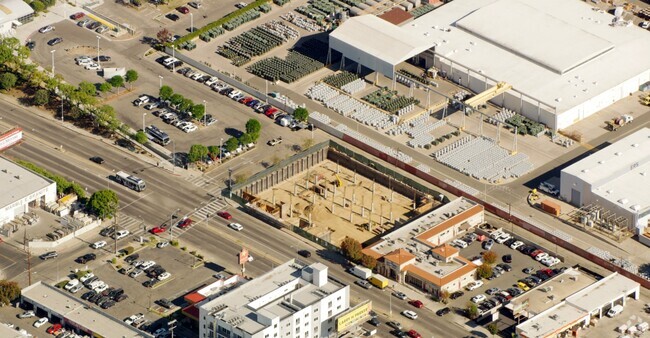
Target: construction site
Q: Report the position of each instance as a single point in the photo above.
(337, 197)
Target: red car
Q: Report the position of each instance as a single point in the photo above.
(414, 334)
(535, 253)
(224, 214)
(184, 223)
(77, 16)
(418, 304)
(158, 230)
(183, 9)
(269, 112)
(54, 329)
(246, 100)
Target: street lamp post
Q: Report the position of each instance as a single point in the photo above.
(174, 57)
(220, 150)
(171, 227)
(191, 23)
(143, 115)
(229, 182)
(173, 157)
(205, 113)
(98, 62)
(160, 81)
(52, 52)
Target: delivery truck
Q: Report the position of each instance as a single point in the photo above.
(378, 281)
(361, 272)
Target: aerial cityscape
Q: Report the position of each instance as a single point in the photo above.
(324, 168)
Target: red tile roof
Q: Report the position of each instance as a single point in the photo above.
(396, 16)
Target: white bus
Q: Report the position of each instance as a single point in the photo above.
(157, 135)
(130, 181)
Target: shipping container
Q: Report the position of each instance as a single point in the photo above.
(378, 281)
(551, 207)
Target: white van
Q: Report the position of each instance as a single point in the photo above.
(615, 311)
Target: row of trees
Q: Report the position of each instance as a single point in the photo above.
(41, 5)
(182, 103)
(63, 186)
(118, 81)
(199, 152)
(352, 250)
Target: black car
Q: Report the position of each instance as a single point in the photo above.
(184, 70)
(456, 294)
(97, 159)
(374, 321)
(94, 25)
(126, 144)
(55, 41)
(103, 58)
(107, 231)
(505, 267)
(528, 250)
(89, 281)
(399, 333)
(131, 258)
(30, 45)
(173, 17)
(507, 258)
(165, 303)
(226, 91)
(115, 292)
(88, 295)
(443, 311)
(149, 283)
(95, 298)
(304, 253)
(510, 241)
(86, 258)
(49, 255)
(120, 297)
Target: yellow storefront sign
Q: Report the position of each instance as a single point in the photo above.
(353, 316)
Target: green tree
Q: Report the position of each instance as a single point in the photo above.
(7, 80)
(231, 144)
(253, 126)
(131, 76)
(9, 291)
(198, 111)
(140, 137)
(472, 310)
(87, 88)
(104, 203)
(301, 114)
(37, 5)
(197, 152)
(351, 249)
(213, 151)
(116, 81)
(165, 93)
(76, 189)
(368, 261)
(484, 271)
(41, 97)
(489, 257)
(105, 87)
(176, 99)
(246, 138)
(186, 104)
(493, 328)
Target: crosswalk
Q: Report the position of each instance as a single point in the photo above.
(209, 210)
(133, 225)
(209, 184)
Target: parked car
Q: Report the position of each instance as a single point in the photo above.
(83, 22)
(162, 244)
(516, 245)
(135, 273)
(40, 322)
(487, 245)
(505, 267)
(49, 255)
(98, 244)
(172, 17)
(27, 314)
(195, 4)
(46, 29)
(183, 9)
(474, 285)
(121, 234)
(132, 258)
(77, 16)
(507, 258)
(164, 275)
(456, 294)
(94, 25)
(93, 66)
(478, 299)
(459, 243)
(101, 30)
(55, 41)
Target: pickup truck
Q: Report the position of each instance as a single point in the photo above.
(275, 141)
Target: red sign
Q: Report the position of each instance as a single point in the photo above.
(10, 138)
(243, 256)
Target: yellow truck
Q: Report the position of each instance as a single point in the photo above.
(378, 281)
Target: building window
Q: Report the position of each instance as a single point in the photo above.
(306, 315)
(298, 321)
(338, 298)
(329, 313)
(329, 304)
(316, 310)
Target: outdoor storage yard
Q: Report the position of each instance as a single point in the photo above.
(340, 205)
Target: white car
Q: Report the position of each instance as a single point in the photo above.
(541, 256)
(83, 60)
(46, 29)
(211, 81)
(152, 105)
(504, 237)
(98, 245)
(146, 265)
(196, 76)
(645, 24)
(93, 66)
(121, 234)
(101, 288)
(190, 128)
(480, 298)
(40, 322)
(164, 275)
(219, 86)
(550, 261)
(410, 314)
(234, 93)
(516, 244)
(496, 234)
(86, 277)
(236, 226)
(76, 288)
(474, 285)
(162, 244)
(459, 243)
(71, 284)
(141, 100)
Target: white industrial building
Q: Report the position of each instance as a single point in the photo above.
(22, 189)
(616, 179)
(292, 300)
(13, 13)
(564, 60)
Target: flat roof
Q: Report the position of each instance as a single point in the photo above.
(74, 310)
(497, 60)
(553, 320)
(7, 332)
(267, 295)
(18, 182)
(603, 292)
(13, 9)
(619, 173)
(379, 38)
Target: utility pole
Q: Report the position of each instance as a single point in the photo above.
(229, 182)
(172, 326)
(115, 233)
(29, 258)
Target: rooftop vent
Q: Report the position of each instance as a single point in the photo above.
(635, 145)
(623, 201)
(585, 170)
(601, 162)
(636, 207)
(618, 153)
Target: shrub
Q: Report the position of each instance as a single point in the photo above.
(193, 253)
(184, 248)
(61, 284)
(114, 260)
(7, 80)
(173, 242)
(129, 250)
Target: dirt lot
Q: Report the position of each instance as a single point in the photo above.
(337, 212)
